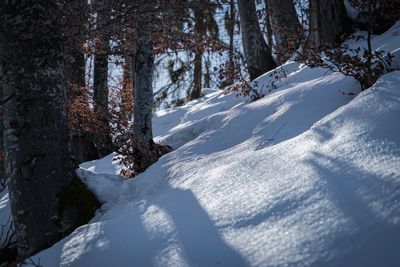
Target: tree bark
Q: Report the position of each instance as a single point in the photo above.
(230, 27)
(198, 58)
(100, 79)
(3, 180)
(328, 21)
(47, 200)
(144, 67)
(314, 37)
(256, 51)
(285, 26)
(2, 176)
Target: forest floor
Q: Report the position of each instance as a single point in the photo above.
(308, 175)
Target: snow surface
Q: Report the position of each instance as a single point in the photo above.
(322, 191)
(306, 176)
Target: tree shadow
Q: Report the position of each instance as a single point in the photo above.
(375, 240)
(201, 241)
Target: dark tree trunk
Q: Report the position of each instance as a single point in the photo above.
(314, 38)
(328, 21)
(231, 32)
(207, 74)
(143, 66)
(198, 63)
(47, 200)
(285, 26)
(100, 79)
(82, 146)
(3, 181)
(198, 58)
(256, 51)
(2, 176)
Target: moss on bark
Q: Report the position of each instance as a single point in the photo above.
(76, 201)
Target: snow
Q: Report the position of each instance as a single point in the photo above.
(324, 191)
(306, 176)
(351, 11)
(4, 214)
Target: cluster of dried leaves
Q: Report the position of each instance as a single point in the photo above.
(135, 156)
(366, 66)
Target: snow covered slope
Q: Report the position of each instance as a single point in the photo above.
(306, 176)
(268, 184)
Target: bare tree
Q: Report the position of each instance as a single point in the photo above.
(285, 26)
(144, 66)
(257, 53)
(200, 29)
(230, 22)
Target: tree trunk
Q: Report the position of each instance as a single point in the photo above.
(314, 38)
(2, 176)
(143, 94)
(82, 146)
(328, 21)
(198, 63)
(198, 58)
(285, 26)
(100, 80)
(3, 181)
(230, 26)
(256, 51)
(207, 74)
(47, 200)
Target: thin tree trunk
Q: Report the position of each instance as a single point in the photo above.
(143, 96)
(100, 79)
(231, 33)
(207, 74)
(197, 75)
(285, 26)
(47, 200)
(256, 51)
(314, 37)
(198, 58)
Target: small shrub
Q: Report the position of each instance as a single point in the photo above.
(365, 65)
(136, 156)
